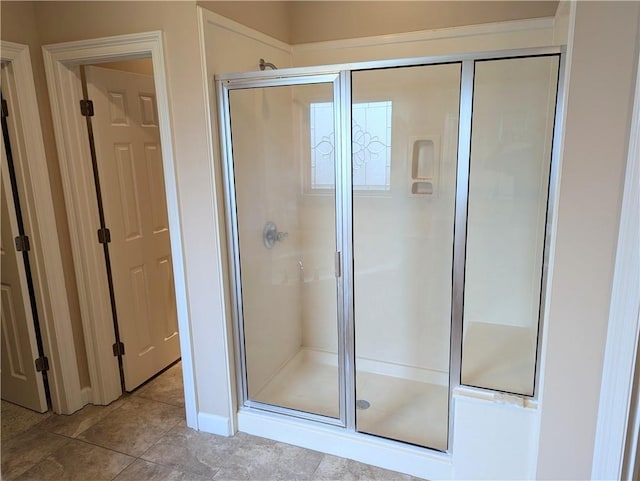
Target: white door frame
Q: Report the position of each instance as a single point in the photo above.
(61, 65)
(37, 205)
(619, 414)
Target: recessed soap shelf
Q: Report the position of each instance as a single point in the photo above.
(425, 163)
(422, 188)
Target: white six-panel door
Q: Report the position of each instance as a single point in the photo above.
(131, 176)
(21, 383)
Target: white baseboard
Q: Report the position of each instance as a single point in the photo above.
(86, 395)
(380, 452)
(214, 424)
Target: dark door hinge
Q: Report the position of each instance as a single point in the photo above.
(5, 108)
(42, 364)
(86, 108)
(104, 236)
(118, 349)
(22, 243)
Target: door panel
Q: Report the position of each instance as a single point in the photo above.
(21, 383)
(153, 157)
(130, 166)
(405, 125)
(287, 244)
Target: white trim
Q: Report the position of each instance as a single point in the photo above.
(428, 35)
(630, 466)
(212, 423)
(212, 151)
(86, 395)
(64, 381)
(64, 92)
(367, 449)
(554, 203)
(614, 414)
(227, 24)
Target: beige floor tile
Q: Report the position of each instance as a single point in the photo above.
(335, 468)
(16, 419)
(256, 459)
(167, 387)
(144, 470)
(74, 424)
(191, 451)
(78, 461)
(133, 427)
(23, 451)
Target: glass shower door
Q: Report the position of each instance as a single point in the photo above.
(283, 200)
(405, 135)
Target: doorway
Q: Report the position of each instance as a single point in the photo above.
(62, 63)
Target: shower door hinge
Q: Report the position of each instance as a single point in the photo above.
(86, 108)
(118, 348)
(104, 235)
(338, 264)
(5, 108)
(22, 243)
(42, 364)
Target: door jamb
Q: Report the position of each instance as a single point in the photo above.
(49, 283)
(61, 65)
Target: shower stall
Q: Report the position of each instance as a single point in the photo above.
(387, 228)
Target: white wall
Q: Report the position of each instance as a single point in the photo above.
(248, 47)
(602, 78)
(454, 40)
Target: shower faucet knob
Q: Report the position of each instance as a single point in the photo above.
(270, 235)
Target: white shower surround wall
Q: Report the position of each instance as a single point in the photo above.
(271, 289)
(494, 436)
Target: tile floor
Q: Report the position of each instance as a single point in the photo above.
(143, 436)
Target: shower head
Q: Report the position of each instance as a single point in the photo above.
(264, 65)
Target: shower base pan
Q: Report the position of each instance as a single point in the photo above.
(412, 408)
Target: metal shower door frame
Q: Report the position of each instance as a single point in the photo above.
(342, 197)
(340, 76)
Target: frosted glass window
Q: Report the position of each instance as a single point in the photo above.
(511, 140)
(371, 144)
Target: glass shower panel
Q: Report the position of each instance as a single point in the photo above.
(287, 243)
(404, 136)
(511, 139)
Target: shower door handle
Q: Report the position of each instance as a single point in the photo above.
(338, 260)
